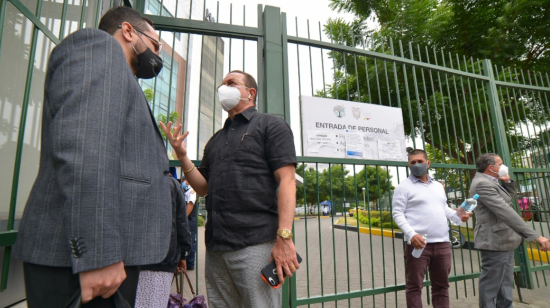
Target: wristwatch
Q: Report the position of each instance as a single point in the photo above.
(285, 234)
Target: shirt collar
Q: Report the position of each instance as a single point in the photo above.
(249, 113)
(415, 180)
(491, 177)
(246, 114)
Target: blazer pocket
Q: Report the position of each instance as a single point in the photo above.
(135, 180)
(498, 227)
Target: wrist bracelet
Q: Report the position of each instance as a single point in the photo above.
(187, 171)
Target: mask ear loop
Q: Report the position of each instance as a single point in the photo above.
(134, 48)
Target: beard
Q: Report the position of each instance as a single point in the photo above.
(135, 64)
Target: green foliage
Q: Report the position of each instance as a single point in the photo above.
(375, 179)
(389, 225)
(149, 95)
(364, 219)
(377, 218)
(450, 113)
(329, 184)
(507, 32)
(310, 185)
(174, 116)
(375, 222)
(200, 221)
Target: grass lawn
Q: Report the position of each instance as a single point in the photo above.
(352, 221)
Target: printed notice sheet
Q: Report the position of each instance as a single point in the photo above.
(343, 129)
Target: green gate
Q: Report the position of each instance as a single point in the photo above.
(455, 108)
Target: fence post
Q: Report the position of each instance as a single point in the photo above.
(274, 71)
(503, 149)
(273, 64)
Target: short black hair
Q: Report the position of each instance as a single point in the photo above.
(418, 151)
(117, 15)
(249, 81)
(485, 160)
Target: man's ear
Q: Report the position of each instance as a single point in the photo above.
(127, 31)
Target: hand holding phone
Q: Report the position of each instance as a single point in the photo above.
(269, 273)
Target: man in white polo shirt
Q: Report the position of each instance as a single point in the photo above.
(420, 208)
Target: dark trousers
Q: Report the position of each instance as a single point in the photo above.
(193, 229)
(436, 257)
(56, 287)
(497, 279)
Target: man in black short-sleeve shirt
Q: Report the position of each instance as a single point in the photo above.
(248, 176)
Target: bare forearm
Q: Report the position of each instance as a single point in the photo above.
(189, 208)
(194, 177)
(287, 204)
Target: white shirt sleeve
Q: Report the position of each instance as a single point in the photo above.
(399, 204)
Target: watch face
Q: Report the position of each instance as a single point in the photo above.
(284, 233)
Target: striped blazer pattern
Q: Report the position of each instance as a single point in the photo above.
(102, 194)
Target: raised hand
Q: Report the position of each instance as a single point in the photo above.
(176, 140)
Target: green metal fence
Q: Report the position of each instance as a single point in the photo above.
(455, 108)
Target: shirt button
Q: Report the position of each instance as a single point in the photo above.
(227, 143)
(222, 158)
(232, 129)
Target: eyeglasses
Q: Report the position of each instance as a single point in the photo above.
(156, 43)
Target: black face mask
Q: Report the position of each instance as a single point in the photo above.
(149, 64)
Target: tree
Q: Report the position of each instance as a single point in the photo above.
(375, 179)
(310, 185)
(331, 183)
(449, 113)
(507, 32)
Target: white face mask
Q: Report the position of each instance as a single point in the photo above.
(503, 171)
(230, 97)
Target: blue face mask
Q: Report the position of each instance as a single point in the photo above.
(184, 185)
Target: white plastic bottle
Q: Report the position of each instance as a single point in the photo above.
(417, 252)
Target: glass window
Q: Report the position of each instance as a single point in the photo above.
(17, 37)
(91, 14)
(31, 143)
(72, 19)
(50, 14)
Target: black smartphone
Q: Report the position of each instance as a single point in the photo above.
(269, 273)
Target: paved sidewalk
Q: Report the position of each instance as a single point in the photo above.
(538, 298)
(346, 245)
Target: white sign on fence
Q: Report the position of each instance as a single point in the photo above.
(343, 129)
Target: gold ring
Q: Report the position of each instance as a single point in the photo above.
(292, 267)
(174, 139)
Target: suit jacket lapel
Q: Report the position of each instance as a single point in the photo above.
(498, 185)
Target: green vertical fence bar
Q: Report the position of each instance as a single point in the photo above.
(63, 19)
(273, 54)
(3, 9)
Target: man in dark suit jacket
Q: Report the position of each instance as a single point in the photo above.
(498, 231)
(100, 205)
